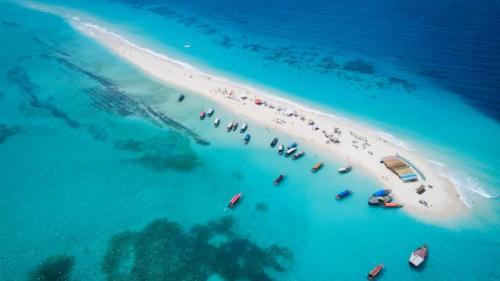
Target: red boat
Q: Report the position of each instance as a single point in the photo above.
(259, 102)
(375, 271)
(202, 115)
(234, 200)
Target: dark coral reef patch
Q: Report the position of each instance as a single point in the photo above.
(164, 251)
(54, 268)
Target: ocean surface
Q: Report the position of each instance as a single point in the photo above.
(105, 176)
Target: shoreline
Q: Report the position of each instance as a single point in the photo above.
(293, 119)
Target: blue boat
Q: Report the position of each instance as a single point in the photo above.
(382, 192)
(246, 139)
(292, 145)
(342, 194)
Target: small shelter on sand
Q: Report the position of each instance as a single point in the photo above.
(399, 167)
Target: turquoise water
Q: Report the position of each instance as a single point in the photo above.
(98, 185)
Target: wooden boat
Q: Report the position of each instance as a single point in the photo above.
(392, 205)
(292, 145)
(180, 98)
(343, 194)
(202, 115)
(375, 271)
(216, 122)
(243, 128)
(290, 151)
(274, 142)
(345, 170)
(230, 126)
(234, 200)
(298, 155)
(418, 256)
(279, 179)
(316, 167)
(281, 149)
(235, 126)
(210, 111)
(246, 139)
(382, 192)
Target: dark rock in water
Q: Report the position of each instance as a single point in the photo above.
(360, 66)
(327, 64)
(404, 83)
(10, 24)
(164, 251)
(55, 268)
(115, 100)
(19, 77)
(8, 131)
(262, 207)
(97, 132)
(170, 151)
(225, 41)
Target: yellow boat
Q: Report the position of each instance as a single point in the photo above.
(316, 167)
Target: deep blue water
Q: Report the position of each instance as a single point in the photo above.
(455, 43)
(106, 177)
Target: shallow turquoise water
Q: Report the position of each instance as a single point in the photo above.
(82, 160)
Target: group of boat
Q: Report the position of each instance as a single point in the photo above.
(417, 258)
(383, 198)
(232, 126)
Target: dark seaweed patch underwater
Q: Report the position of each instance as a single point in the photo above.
(164, 251)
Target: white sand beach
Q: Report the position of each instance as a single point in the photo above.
(338, 138)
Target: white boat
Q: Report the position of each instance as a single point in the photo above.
(418, 256)
(281, 149)
(210, 112)
(290, 151)
(345, 170)
(243, 128)
(216, 122)
(235, 126)
(230, 126)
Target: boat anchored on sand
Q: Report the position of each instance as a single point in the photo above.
(278, 180)
(382, 192)
(418, 256)
(379, 200)
(234, 200)
(317, 167)
(375, 271)
(392, 205)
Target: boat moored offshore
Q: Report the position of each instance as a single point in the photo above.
(234, 200)
(210, 111)
(418, 256)
(216, 122)
(243, 128)
(281, 149)
(230, 126)
(298, 155)
(235, 126)
(316, 167)
(343, 194)
(278, 180)
(274, 142)
(375, 271)
(290, 151)
(345, 170)
(382, 192)
(292, 145)
(246, 139)
(180, 98)
(202, 115)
